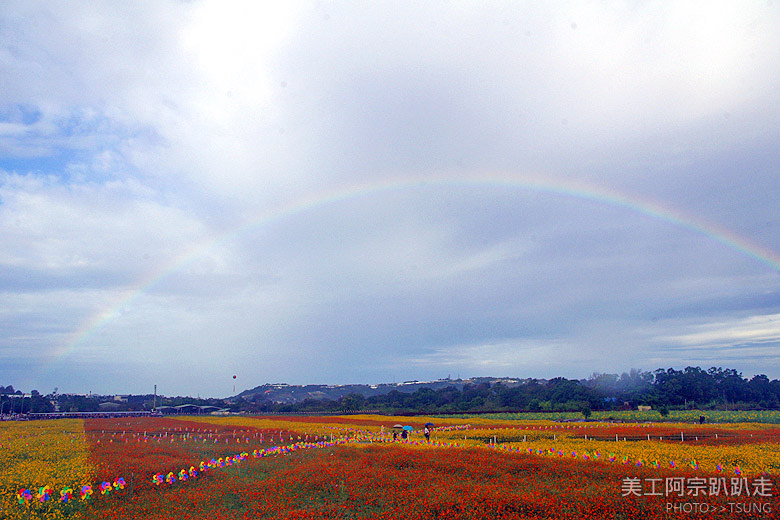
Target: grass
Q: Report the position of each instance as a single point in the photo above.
(679, 416)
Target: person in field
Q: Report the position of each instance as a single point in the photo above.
(427, 433)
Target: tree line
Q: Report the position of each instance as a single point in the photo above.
(662, 389)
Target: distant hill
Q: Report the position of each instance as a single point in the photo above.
(289, 394)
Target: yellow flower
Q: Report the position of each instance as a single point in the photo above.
(41, 453)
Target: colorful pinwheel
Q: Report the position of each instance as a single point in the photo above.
(65, 495)
(44, 494)
(24, 496)
(86, 492)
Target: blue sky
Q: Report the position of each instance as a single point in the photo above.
(331, 193)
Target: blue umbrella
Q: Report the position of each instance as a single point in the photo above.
(408, 428)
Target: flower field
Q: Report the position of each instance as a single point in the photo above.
(50, 455)
(675, 416)
(352, 467)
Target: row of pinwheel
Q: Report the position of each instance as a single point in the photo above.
(45, 493)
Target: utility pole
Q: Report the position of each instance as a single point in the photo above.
(154, 403)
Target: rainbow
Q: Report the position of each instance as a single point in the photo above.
(566, 188)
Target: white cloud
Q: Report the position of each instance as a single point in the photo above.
(48, 224)
(731, 332)
(661, 66)
(513, 356)
(135, 139)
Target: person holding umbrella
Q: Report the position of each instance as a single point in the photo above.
(427, 431)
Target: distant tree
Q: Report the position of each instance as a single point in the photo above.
(586, 411)
(423, 398)
(352, 402)
(39, 403)
(761, 392)
(604, 384)
(446, 396)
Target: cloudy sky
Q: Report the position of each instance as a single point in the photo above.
(341, 192)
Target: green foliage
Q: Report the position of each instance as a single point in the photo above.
(685, 416)
(666, 390)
